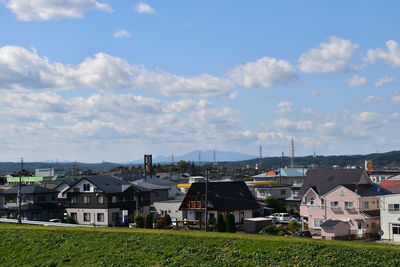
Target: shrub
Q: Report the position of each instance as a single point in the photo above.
(221, 225)
(148, 223)
(270, 229)
(294, 226)
(230, 223)
(275, 204)
(167, 219)
(70, 220)
(160, 223)
(139, 220)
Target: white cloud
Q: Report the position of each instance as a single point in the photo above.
(121, 33)
(284, 107)
(384, 80)
(21, 68)
(396, 98)
(356, 81)
(372, 98)
(366, 117)
(265, 72)
(330, 56)
(293, 126)
(30, 10)
(144, 8)
(314, 92)
(391, 56)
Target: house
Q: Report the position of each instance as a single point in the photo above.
(157, 192)
(38, 203)
(341, 195)
(277, 191)
(222, 197)
(173, 190)
(169, 207)
(392, 184)
(104, 200)
(390, 217)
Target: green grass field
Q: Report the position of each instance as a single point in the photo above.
(54, 246)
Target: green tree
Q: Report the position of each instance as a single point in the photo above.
(230, 223)
(221, 225)
(274, 204)
(167, 219)
(139, 220)
(148, 223)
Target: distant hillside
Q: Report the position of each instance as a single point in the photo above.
(205, 156)
(388, 159)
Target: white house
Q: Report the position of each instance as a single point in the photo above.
(390, 217)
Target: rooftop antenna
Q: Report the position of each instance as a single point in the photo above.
(172, 159)
(214, 157)
(259, 167)
(292, 159)
(199, 158)
(20, 193)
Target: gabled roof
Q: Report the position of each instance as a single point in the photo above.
(367, 190)
(284, 172)
(273, 186)
(158, 181)
(332, 223)
(324, 180)
(224, 196)
(371, 213)
(149, 186)
(29, 190)
(106, 183)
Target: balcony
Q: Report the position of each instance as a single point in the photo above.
(196, 205)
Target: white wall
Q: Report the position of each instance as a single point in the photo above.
(170, 208)
(93, 216)
(389, 217)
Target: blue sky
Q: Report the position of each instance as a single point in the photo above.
(92, 80)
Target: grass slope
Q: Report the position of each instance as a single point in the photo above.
(51, 246)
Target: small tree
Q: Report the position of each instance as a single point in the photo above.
(270, 229)
(139, 220)
(221, 225)
(294, 226)
(149, 221)
(273, 203)
(230, 223)
(70, 220)
(160, 223)
(167, 219)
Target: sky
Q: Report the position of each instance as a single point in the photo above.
(94, 80)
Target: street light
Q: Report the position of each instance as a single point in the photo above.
(20, 193)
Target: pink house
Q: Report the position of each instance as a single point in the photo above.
(339, 203)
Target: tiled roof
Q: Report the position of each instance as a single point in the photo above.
(29, 189)
(389, 183)
(367, 190)
(324, 180)
(372, 213)
(108, 183)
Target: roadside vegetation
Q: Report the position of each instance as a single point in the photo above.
(51, 246)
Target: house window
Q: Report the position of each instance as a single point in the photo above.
(96, 189)
(86, 187)
(312, 201)
(74, 216)
(334, 204)
(373, 225)
(77, 190)
(322, 201)
(366, 204)
(100, 199)
(86, 217)
(305, 200)
(396, 229)
(86, 199)
(72, 199)
(114, 199)
(100, 217)
(348, 205)
(115, 216)
(394, 207)
(318, 222)
(283, 191)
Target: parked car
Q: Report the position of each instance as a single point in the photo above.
(302, 234)
(282, 218)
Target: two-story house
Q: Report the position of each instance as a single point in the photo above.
(340, 203)
(222, 197)
(38, 203)
(390, 217)
(104, 201)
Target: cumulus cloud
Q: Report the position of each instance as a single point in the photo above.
(31, 10)
(356, 81)
(265, 72)
(391, 56)
(293, 126)
(372, 98)
(144, 8)
(330, 56)
(121, 33)
(22, 68)
(384, 80)
(284, 107)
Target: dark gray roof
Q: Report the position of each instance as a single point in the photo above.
(29, 189)
(224, 196)
(324, 180)
(108, 184)
(150, 186)
(367, 190)
(272, 185)
(372, 213)
(158, 181)
(332, 223)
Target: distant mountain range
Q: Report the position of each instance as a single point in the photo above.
(205, 156)
(227, 159)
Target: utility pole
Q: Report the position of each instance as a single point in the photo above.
(20, 193)
(280, 169)
(292, 159)
(259, 165)
(206, 201)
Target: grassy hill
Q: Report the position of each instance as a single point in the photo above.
(51, 246)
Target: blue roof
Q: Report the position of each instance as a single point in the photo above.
(285, 172)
